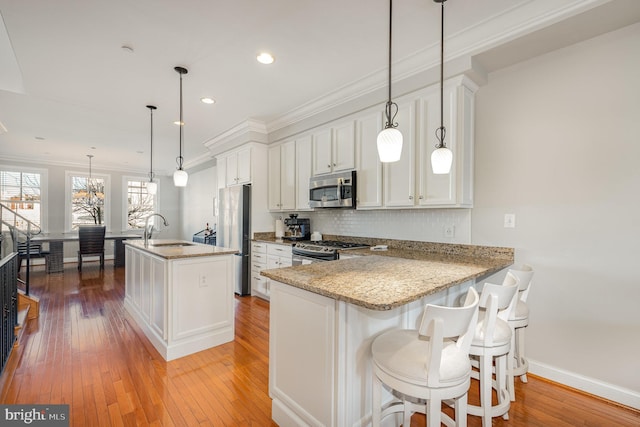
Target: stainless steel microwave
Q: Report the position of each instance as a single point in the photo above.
(333, 191)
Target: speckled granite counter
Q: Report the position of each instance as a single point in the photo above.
(174, 249)
(387, 279)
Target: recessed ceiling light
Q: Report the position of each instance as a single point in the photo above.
(208, 100)
(265, 58)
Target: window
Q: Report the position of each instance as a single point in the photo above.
(88, 199)
(21, 191)
(140, 204)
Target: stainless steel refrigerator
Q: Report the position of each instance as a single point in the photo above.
(233, 230)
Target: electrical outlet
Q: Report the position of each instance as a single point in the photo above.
(203, 281)
(509, 220)
(449, 231)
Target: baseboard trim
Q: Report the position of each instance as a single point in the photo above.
(614, 393)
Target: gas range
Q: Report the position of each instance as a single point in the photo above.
(322, 250)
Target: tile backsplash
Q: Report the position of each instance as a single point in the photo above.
(428, 225)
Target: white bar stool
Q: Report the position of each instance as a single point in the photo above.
(519, 320)
(429, 364)
(492, 342)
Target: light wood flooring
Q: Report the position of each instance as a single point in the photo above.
(85, 351)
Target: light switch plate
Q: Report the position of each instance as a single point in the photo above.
(509, 220)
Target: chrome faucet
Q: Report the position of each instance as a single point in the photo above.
(148, 230)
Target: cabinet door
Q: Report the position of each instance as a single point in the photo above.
(288, 176)
(244, 166)
(368, 163)
(221, 166)
(322, 152)
(273, 194)
(400, 176)
(231, 169)
(159, 309)
(303, 172)
(344, 143)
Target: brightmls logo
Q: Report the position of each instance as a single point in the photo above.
(36, 415)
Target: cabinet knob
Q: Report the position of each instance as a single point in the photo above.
(410, 197)
(421, 197)
(329, 166)
(334, 164)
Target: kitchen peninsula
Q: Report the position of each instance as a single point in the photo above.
(324, 316)
(180, 294)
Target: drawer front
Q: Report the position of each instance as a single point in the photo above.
(258, 247)
(279, 250)
(258, 265)
(258, 257)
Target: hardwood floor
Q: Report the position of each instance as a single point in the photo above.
(86, 352)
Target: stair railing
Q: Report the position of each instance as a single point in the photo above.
(19, 225)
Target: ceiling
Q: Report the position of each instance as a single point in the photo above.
(68, 88)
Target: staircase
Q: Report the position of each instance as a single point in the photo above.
(17, 306)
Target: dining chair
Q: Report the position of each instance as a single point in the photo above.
(91, 243)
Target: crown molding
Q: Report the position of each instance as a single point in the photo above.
(250, 130)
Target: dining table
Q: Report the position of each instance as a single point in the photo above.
(55, 262)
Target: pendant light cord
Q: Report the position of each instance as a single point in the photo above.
(151, 174)
(390, 118)
(180, 158)
(441, 131)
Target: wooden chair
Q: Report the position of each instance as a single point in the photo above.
(91, 243)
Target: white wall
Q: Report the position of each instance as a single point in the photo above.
(197, 202)
(558, 144)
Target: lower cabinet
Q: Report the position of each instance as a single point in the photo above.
(182, 305)
(320, 354)
(267, 256)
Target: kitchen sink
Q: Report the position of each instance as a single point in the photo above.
(171, 244)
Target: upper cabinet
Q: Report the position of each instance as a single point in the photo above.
(238, 167)
(368, 165)
(282, 177)
(334, 149)
(303, 172)
(406, 184)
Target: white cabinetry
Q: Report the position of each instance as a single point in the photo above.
(237, 166)
(183, 305)
(334, 149)
(259, 284)
(267, 256)
(410, 182)
(282, 177)
(369, 167)
(303, 172)
(400, 176)
(455, 188)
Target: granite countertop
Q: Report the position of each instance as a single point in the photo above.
(387, 279)
(175, 249)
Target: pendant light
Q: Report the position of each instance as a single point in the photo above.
(442, 157)
(152, 187)
(180, 176)
(390, 139)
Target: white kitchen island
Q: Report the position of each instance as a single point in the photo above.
(181, 294)
(324, 316)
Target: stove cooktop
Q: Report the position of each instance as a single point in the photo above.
(332, 244)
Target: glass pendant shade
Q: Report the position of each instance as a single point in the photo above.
(152, 188)
(389, 145)
(180, 178)
(441, 160)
